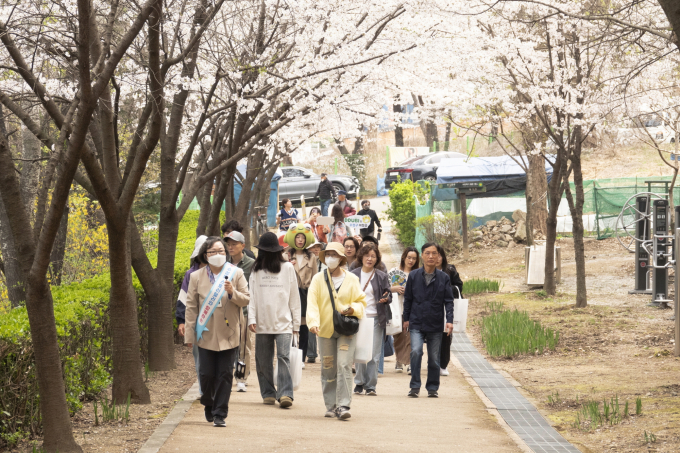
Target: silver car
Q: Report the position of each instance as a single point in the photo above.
(297, 181)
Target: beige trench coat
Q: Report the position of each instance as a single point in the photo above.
(224, 327)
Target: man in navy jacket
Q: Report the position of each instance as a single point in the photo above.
(428, 293)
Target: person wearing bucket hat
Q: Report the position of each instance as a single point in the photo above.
(197, 262)
(336, 350)
(274, 315)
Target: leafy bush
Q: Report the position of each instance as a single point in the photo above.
(445, 229)
(84, 335)
(507, 333)
(402, 210)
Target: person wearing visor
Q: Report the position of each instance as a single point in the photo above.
(335, 289)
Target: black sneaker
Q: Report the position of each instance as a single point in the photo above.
(208, 414)
(359, 389)
(219, 422)
(371, 393)
(311, 359)
(343, 413)
(432, 394)
(413, 393)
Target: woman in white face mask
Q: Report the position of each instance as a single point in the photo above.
(339, 289)
(225, 286)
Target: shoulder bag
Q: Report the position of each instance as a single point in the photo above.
(343, 324)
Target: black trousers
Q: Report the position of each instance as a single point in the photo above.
(304, 330)
(445, 353)
(216, 373)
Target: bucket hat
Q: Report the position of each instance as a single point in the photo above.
(336, 247)
(197, 245)
(269, 243)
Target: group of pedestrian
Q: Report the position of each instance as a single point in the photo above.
(311, 294)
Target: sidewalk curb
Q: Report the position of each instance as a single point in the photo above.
(163, 432)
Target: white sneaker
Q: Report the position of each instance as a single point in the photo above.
(443, 372)
(303, 365)
(241, 387)
(408, 370)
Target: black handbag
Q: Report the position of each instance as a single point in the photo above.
(343, 324)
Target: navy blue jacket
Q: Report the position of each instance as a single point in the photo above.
(424, 304)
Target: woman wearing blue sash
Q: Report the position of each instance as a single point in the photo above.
(287, 216)
(214, 300)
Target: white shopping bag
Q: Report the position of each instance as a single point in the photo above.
(363, 351)
(295, 358)
(394, 325)
(460, 309)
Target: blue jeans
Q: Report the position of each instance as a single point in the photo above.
(324, 206)
(381, 365)
(367, 373)
(434, 342)
(264, 363)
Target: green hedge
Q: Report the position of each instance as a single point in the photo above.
(81, 312)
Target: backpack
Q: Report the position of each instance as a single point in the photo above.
(339, 233)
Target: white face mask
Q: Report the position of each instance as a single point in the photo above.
(217, 260)
(332, 262)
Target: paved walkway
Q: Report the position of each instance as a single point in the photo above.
(456, 421)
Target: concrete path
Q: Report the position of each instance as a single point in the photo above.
(390, 422)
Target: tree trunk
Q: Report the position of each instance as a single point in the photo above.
(398, 130)
(555, 190)
(204, 205)
(537, 191)
(59, 249)
(30, 169)
(576, 208)
(127, 377)
(14, 278)
(529, 227)
(447, 136)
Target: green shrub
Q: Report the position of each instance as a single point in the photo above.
(402, 210)
(84, 335)
(444, 229)
(507, 333)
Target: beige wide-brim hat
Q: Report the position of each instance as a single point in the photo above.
(336, 247)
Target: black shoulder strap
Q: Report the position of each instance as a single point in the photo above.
(330, 290)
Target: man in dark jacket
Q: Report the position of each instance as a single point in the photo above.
(428, 293)
(366, 210)
(325, 193)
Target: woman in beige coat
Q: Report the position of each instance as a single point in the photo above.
(218, 346)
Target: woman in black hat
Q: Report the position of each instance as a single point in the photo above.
(274, 315)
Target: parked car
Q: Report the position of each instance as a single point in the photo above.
(297, 181)
(419, 167)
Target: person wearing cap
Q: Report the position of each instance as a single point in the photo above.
(325, 193)
(234, 225)
(347, 208)
(274, 315)
(337, 351)
(197, 262)
(236, 244)
(366, 210)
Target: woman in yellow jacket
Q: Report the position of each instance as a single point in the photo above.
(337, 351)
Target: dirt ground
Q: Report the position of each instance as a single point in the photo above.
(118, 437)
(617, 346)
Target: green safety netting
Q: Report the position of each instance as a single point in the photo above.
(603, 198)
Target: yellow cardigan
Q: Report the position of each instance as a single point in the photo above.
(319, 308)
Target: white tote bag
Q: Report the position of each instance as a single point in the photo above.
(460, 309)
(394, 325)
(295, 358)
(363, 351)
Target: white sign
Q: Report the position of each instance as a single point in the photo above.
(358, 221)
(325, 221)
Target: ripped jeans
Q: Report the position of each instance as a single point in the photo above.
(337, 355)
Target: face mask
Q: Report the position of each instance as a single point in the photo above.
(332, 262)
(217, 260)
